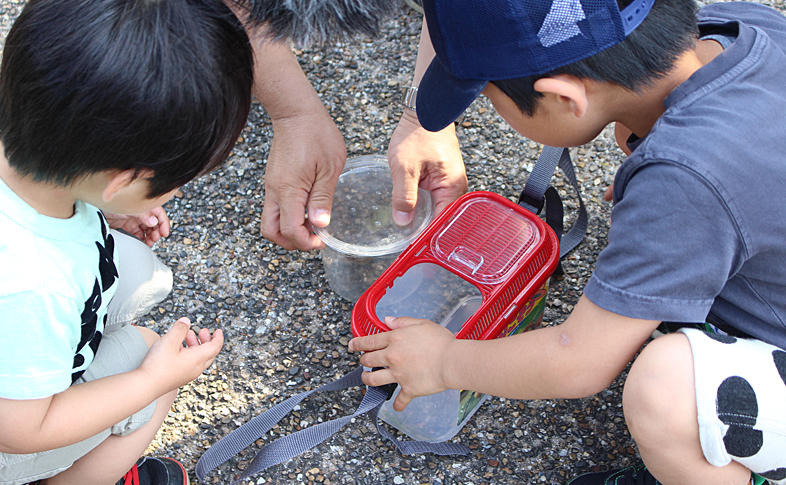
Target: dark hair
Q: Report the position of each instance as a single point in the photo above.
(318, 21)
(93, 85)
(646, 55)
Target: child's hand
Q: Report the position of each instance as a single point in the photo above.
(170, 364)
(149, 227)
(413, 354)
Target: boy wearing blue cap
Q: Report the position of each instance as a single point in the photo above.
(697, 240)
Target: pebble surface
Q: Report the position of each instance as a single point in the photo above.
(287, 332)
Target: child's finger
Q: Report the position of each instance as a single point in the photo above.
(373, 359)
(210, 349)
(401, 322)
(218, 339)
(191, 339)
(204, 335)
(378, 377)
(163, 224)
(178, 331)
(368, 343)
(402, 401)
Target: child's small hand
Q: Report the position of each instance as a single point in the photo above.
(149, 226)
(170, 364)
(412, 354)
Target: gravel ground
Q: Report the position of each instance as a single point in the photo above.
(286, 331)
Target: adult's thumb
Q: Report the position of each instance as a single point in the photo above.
(320, 202)
(405, 196)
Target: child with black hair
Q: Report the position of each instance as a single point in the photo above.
(697, 243)
(106, 108)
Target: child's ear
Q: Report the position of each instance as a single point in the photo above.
(568, 89)
(117, 180)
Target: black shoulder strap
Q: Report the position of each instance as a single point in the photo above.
(538, 192)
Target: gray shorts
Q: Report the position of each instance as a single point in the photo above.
(741, 401)
(143, 283)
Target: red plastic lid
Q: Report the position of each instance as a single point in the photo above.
(485, 240)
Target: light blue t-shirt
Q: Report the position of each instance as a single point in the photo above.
(56, 279)
(699, 218)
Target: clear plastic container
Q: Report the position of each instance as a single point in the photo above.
(362, 239)
(444, 298)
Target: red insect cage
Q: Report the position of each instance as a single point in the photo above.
(501, 248)
(481, 269)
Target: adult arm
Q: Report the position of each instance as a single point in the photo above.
(83, 410)
(307, 153)
(431, 160)
(578, 358)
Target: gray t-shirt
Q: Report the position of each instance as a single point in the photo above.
(699, 220)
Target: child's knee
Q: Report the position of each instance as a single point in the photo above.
(150, 336)
(659, 391)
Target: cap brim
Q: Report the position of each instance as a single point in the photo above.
(442, 97)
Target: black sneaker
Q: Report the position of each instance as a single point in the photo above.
(634, 475)
(155, 471)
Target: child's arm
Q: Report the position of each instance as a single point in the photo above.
(83, 410)
(578, 358)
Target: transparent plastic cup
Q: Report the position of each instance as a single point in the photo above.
(362, 239)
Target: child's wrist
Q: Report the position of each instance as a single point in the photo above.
(448, 365)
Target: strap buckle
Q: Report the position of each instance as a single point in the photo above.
(532, 202)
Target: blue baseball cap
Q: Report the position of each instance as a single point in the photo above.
(477, 41)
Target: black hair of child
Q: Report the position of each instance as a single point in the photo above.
(93, 85)
(646, 55)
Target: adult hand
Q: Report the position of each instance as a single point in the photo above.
(305, 161)
(170, 365)
(412, 355)
(430, 160)
(307, 153)
(149, 226)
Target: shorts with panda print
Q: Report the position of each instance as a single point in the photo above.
(741, 400)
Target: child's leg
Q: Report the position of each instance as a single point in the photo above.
(708, 408)
(143, 280)
(107, 463)
(122, 349)
(660, 408)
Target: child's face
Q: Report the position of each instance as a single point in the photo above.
(552, 124)
(134, 199)
(121, 193)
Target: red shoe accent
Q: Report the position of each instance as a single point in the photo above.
(132, 476)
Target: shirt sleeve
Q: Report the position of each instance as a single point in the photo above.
(37, 348)
(672, 247)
